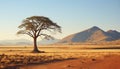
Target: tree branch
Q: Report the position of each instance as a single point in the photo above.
(47, 36)
(29, 34)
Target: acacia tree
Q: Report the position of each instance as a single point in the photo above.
(36, 26)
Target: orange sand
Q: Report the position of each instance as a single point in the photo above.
(109, 62)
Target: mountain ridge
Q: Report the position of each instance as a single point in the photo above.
(94, 34)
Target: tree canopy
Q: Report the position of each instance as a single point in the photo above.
(34, 25)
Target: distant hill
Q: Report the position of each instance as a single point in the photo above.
(26, 42)
(94, 34)
(15, 42)
(45, 42)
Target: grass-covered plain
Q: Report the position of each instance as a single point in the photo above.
(21, 55)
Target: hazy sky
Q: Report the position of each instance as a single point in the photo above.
(73, 15)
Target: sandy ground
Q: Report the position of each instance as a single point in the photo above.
(108, 62)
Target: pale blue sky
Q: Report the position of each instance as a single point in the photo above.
(73, 15)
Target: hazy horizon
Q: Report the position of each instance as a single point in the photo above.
(72, 16)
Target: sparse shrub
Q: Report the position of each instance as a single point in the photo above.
(93, 59)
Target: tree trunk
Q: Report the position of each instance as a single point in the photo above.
(35, 50)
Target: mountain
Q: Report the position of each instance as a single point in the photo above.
(113, 34)
(94, 34)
